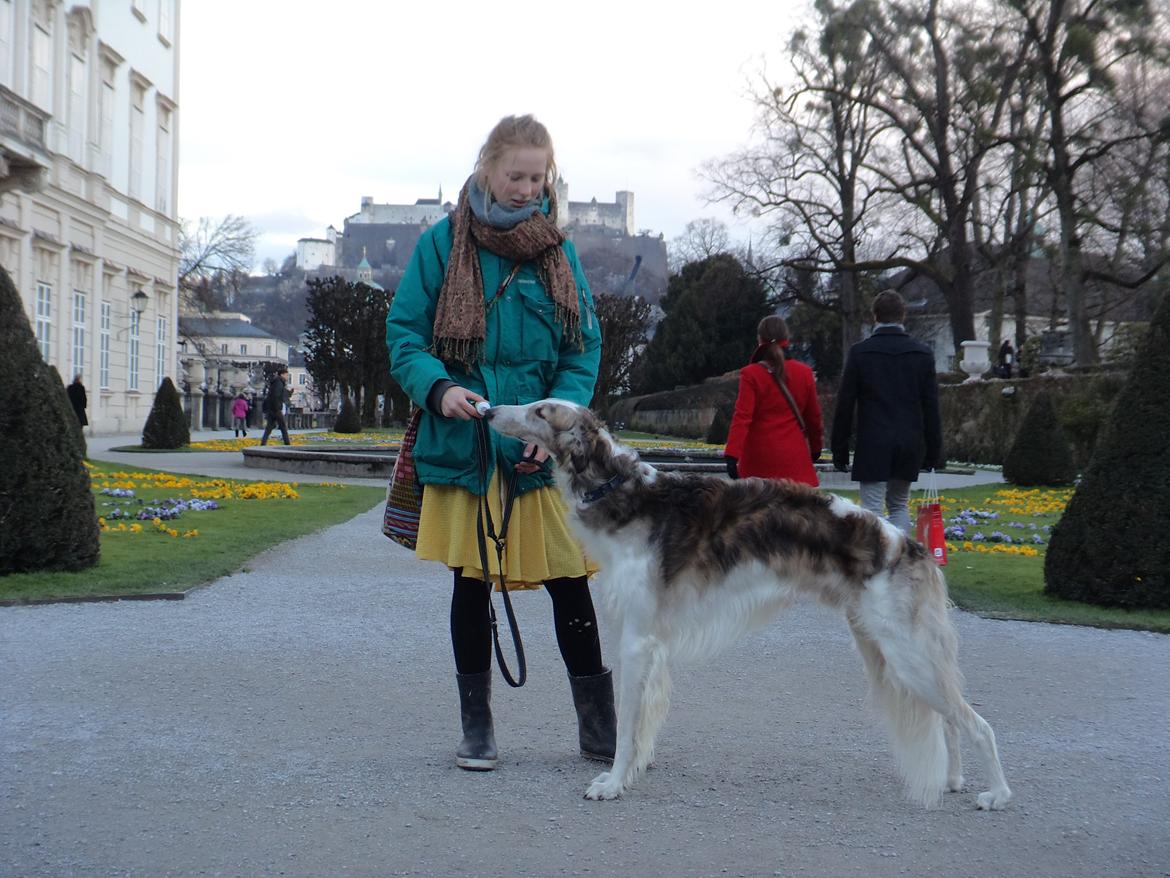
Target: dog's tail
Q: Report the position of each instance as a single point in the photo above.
(913, 672)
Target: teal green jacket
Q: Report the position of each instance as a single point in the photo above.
(526, 358)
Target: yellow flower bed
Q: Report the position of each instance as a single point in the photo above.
(328, 438)
(203, 489)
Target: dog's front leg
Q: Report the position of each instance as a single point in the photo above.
(636, 651)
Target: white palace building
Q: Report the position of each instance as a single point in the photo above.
(89, 230)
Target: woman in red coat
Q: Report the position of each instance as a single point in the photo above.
(766, 438)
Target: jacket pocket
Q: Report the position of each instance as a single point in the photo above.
(539, 330)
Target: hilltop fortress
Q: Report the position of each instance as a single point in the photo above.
(385, 235)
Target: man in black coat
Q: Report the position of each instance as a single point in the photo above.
(276, 401)
(889, 378)
(77, 399)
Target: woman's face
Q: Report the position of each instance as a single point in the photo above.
(518, 177)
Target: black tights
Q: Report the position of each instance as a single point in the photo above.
(573, 618)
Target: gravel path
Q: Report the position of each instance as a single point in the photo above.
(299, 719)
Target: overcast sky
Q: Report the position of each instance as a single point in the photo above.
(291, 111)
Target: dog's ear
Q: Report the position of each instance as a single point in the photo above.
(582, 444)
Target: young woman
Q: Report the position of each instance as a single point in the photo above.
(766, 438)
(494, 306)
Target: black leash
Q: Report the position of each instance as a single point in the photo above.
(484, 523)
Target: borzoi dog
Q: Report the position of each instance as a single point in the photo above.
(691, 561)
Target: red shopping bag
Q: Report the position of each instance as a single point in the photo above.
(930, 524)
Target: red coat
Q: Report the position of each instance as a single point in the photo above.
(765, 437)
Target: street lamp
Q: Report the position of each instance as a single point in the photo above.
(138, 302)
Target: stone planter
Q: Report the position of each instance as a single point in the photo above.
(975, 361)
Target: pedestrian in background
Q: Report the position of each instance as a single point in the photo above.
(240, 410)
(776, 428)
(276, 401)
(78, 399)
(494, 306)
(889, 383)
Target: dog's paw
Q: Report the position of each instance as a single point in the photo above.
(604, 786)
(993, 800)
(956, 784)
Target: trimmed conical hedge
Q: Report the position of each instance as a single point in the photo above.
(1041, 453)
(347, 419)
(1110, 546)
(166, 425)
(47, 516)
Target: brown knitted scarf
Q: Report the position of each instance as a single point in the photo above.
(460, 317)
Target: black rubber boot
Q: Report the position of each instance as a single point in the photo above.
(477, 750)
(596, 721)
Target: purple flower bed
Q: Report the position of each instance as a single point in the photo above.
(165, 510)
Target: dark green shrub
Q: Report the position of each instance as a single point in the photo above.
(1040, 454)
(348, 420)
(166, 426)
(1109, 547)
(720, 425)
(47, 515)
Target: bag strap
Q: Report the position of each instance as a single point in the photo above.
(791, 402)
(930, 489)
(485, 525)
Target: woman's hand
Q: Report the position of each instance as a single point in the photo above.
(459, 402)
(538, 455)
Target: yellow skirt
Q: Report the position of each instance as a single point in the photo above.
(539, 543)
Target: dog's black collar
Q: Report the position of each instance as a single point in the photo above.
(600, 491)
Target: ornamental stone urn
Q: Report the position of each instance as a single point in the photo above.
(975, 361)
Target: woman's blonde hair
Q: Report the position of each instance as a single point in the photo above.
(514, 132)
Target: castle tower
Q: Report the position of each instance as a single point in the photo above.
(562, 190)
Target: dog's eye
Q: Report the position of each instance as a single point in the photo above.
(539, 412)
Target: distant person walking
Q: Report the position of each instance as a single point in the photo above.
(78, 399)
(889, 380)
(240, 408)
(1007, 356)
(276, 401)
(776, 427)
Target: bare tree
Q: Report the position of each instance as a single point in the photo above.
(211, 254)
(701, 239)
(625, 323)
(808, 166)
(1079, 47)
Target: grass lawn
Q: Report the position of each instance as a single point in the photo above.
(997, 536)
(171, 555)
(996, 539)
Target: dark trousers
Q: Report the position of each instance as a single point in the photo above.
(275, 421)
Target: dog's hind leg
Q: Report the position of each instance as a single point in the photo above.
(911, 709)
(983, 737)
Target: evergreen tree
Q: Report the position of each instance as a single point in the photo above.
(47, 516)
(712, 310)
(1040, 454)
(166, 426)
(347, 419)
(1109, 547)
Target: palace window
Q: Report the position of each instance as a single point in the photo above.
(44, 319)
(79, 303)
(135, 342)
(104, 348)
